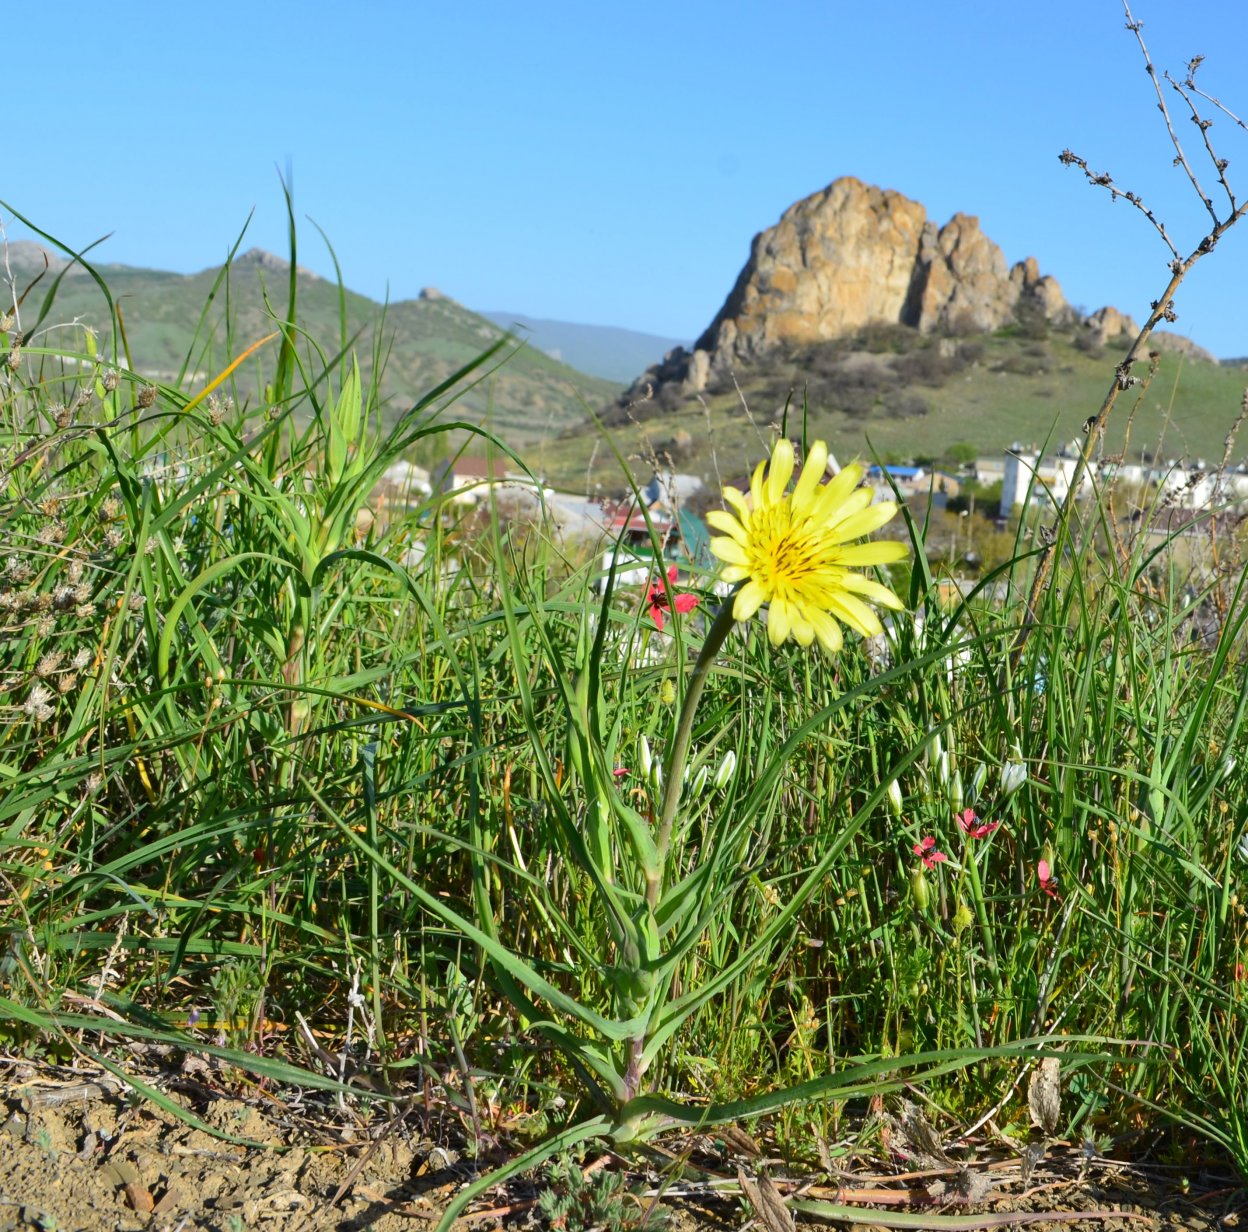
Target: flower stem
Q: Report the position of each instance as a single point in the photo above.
(674, 770)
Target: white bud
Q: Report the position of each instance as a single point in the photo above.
(978, 779)
(894, 798)
(954, 791)
(699, 781)
(644, 757)
(942, 768)
(1013, 774)
(935, 749)
(727, 768)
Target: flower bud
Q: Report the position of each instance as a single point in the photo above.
(918, 888)
(1013, 776)
(894, 798)
(942, 768)
(699, 781)
(644, 758)
(954, 791)
(935, 749)
(962, 918)
(727, 768)
(667, 693)
(1013, 773)
(977, 780)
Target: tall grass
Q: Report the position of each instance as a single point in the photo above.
(268, 761)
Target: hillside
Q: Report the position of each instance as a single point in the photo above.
(425, 340)
(902, 395)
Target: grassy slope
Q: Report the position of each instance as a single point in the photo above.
(427, 340)
(1187, 410)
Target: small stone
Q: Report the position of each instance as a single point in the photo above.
(138, 1197)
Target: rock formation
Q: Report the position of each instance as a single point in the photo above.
(854, 255)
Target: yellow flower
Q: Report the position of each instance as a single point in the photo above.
(793, 551)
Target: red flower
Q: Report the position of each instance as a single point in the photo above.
(656, 597)
(1048, 883)
(620, 772)
(923, 849)
(973, 826)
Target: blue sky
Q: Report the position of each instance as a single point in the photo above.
(610, 163)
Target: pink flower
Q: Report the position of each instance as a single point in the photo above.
(973, 826)
(620, 772)
(1048, 883)
(924, 849)
(656, 597)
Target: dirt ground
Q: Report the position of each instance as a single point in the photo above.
(80, 1152)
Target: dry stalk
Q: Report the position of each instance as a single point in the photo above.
(1162, 307)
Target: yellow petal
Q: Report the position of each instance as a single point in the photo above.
(780, 471)
(812, 472)
(749, 599)
(729, 550)
(779, 621)
(877, 552)
(872, 590)
(721, 520)
(853, 612)
(739, 503)
(827, 631)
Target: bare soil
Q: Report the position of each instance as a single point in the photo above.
(80, 1152)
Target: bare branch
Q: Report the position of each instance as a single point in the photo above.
(1136, 28)
(1220, 164)
(1103, 179)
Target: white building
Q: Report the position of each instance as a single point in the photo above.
(1043, 481)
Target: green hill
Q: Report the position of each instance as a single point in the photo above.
(528, 397)
(903, 395)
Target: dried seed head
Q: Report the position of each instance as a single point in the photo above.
(66, 683)
(37, 705)
(114, 537)
(110, 380)
(218, 409)
(82, 592)
(54, 532)
(45, 625)
(15, 355)
(62, 416)
(145, 397)
(81, 659)
(63, 598)
(18, 570)
(136, 602)
(85, 611)
(50, 506)
(73, 572)
(48, 663)
(110, 509)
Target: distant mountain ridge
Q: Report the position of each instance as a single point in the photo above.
(525, 399)
(606, 351)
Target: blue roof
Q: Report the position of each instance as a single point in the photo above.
(900, 472)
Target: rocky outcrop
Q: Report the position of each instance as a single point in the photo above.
(854, 255)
